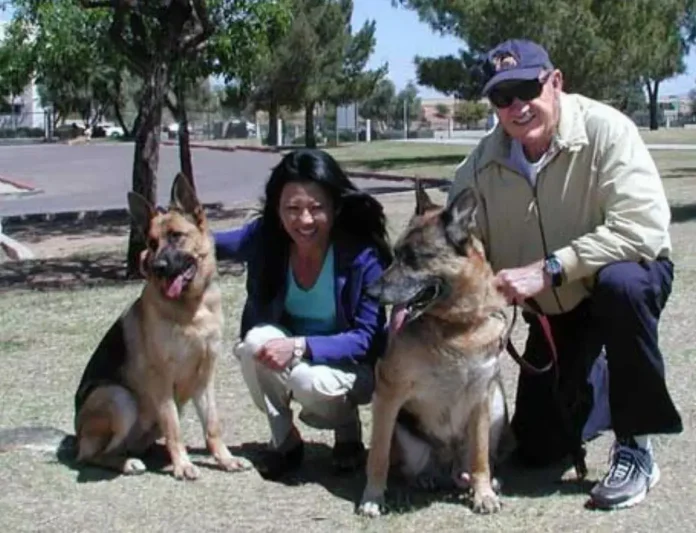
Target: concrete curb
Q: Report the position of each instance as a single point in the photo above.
(428, 181)
(263, 149)
(232, 148)
(18, 184)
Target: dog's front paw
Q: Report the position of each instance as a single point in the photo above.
(133, 466)
(372, 503)
(371, 509)
(235, 464)
(186, 471)
(486, 502)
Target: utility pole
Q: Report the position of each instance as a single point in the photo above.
(405, 118)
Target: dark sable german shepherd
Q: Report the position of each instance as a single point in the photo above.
(439, 406)
(160, 353)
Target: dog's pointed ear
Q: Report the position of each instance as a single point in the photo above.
(459, 219)
(141, 211)
(184, 198)
(423, 201)
(183, 195)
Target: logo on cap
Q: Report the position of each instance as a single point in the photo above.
(504, 61)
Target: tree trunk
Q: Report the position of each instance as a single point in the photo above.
(184, 136)
(652, 87)
(127, 132)
(146, 157)
(310, 139)
(273, 123)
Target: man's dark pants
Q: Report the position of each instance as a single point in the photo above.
(622, 315)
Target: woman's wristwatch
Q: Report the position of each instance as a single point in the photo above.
(298, 351)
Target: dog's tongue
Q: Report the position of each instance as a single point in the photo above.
(398, 317)
(175, 287)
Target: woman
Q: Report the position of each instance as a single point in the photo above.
(310, 332)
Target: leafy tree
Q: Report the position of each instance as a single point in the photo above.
(69, 55)
(316, 59)
(239, 40)
(380, 105)
(353, 82)
(16, 59)
(450, 75)
(72, 60)
(567, 28)
(442, 110)
(152, 37)
(597, 45)
(668, 26)
(469, 112)
(628, 98)
(408, 105)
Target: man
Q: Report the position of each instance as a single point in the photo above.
(574, 219)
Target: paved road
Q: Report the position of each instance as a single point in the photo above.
(74, 178)
(98, 177)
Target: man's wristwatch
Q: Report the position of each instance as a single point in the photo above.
(554, 269)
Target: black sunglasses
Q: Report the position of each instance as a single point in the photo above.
(503, 95)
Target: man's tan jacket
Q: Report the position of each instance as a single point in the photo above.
(598, 199)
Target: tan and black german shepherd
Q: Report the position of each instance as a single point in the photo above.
(439, 405)
(159, 354)
(162, 351)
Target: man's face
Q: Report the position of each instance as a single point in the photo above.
(529, 110)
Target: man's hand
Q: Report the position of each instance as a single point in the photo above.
(518, 284)
(276, 354)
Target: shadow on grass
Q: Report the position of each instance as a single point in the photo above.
(681, 172)
(315, 469)
(683, 212)
(157, 460)
(115, 222)
(539, 482)
(516, 481)
(79, 272)
(388, 163)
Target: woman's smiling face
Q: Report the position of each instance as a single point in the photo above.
(307, 213)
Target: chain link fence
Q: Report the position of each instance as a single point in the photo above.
(23, 125)
(434, 118)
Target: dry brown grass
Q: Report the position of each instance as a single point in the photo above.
(46, 338)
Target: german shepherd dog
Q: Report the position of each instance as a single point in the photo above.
(161, 352)
(439, 406)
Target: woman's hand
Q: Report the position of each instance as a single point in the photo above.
(276, 354)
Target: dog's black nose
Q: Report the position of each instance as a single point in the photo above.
(160, 266)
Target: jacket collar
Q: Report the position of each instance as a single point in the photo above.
(571, 134)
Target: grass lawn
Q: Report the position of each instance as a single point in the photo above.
(434, 160)
(669, 136)
(47, 336)
(439, 160)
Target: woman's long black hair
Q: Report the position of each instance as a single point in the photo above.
(359, 216)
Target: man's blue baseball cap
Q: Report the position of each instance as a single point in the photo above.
(515, 60)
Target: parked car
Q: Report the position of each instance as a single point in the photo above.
(104, 129)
